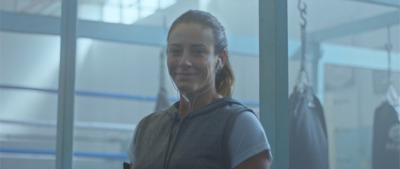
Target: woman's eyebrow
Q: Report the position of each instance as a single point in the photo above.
(174, 45)
(198, 45)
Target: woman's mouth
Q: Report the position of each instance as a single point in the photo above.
(185, 75)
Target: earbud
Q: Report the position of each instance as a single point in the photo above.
(219, 65)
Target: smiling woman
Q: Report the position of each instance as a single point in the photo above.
(191, 60)
(206, 128)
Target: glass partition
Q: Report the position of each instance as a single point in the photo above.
(35, 7)
(120, 68)
(28, 97)
(118, 80)
(347, 64)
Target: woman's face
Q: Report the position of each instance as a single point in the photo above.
(191, 59)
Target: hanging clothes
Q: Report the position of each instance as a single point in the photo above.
(308, 139)
(385, 150)
(162, 97)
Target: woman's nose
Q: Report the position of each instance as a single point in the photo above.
(185, 60)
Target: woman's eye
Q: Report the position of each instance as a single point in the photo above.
(199, 52)
(174, 51)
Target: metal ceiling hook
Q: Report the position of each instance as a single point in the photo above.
(303, 11)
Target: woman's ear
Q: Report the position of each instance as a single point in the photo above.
(221, 59)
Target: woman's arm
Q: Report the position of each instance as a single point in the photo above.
(248, 143)
(258, 161)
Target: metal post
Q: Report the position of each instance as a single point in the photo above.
(66, 86)
(274, 111)
(315, 59)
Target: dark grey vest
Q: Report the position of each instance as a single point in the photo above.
(198, 140)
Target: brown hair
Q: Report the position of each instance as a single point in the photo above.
(224, 78)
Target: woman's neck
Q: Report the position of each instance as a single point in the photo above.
(189, 103)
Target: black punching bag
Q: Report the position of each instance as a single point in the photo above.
(385, 150)
(308, 138)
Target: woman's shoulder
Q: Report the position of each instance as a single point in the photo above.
(159, 115)
(236, 106)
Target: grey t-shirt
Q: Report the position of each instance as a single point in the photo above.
(246, 140)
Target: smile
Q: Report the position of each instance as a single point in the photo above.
(185, 75)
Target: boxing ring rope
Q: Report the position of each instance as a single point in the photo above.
(111, 95)
(83, 125)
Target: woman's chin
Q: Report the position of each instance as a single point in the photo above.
(185, 89)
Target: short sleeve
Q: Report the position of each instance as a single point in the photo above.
(247, 138)
(130, 151)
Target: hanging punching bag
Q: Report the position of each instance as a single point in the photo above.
(308, 141)
(385, 150)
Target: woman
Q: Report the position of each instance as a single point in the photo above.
(205, 128)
